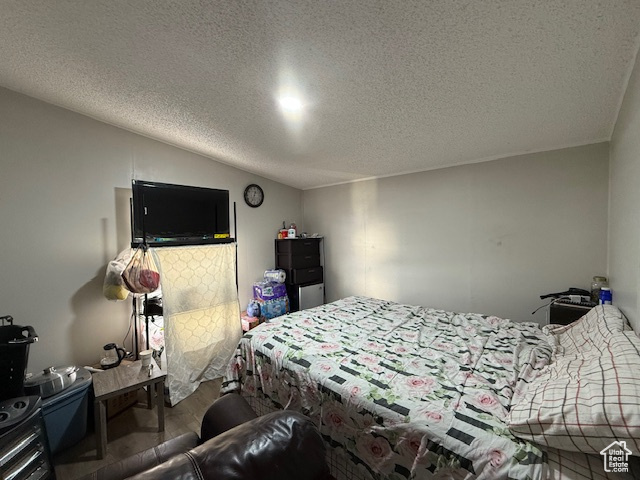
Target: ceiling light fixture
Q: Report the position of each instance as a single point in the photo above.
(290, 104)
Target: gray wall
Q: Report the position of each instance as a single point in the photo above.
(488, 238)
(64, 213)
(624, 212)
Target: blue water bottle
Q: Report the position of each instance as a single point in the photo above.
(605, 296)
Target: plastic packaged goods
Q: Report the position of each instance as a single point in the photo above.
(274, 308)
(268, 290)
(278, 276)
(606, 298)
(597, 283)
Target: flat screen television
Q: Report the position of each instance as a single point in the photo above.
(178, 214)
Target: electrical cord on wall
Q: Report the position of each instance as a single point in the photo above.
(566, 297)
(124, 340)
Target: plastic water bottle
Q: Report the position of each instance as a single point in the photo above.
(597, 283)
(605, 296)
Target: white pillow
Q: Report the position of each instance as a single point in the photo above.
(585, 402)
(590, 333)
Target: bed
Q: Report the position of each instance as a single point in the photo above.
(401, 391)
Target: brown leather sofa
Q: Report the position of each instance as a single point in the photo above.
(235, 444)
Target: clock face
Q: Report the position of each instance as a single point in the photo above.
(253, 195)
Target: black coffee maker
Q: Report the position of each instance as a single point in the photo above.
(14, 356)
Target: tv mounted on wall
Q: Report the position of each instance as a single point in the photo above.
(168, 214)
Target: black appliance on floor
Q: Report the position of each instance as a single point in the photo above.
(24, 447)
(14, 355)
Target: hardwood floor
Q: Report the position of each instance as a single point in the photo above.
(135, 430)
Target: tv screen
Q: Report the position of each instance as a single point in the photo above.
(179, 215)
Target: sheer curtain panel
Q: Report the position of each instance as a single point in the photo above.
(201, 313)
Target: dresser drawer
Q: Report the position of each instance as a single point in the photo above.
(298, 246)
(287, 260)
(304, 275)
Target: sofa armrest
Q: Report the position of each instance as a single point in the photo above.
(282, 445)
(225, 413)
(145, 460)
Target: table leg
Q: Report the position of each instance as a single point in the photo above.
(100, 415)
(160, 404)
(149, 397)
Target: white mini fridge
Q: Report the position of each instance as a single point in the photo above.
(310, 296)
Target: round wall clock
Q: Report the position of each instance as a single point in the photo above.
(253, 195)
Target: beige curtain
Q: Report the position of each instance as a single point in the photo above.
(201, 313)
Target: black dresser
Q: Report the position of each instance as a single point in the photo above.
(301, 259)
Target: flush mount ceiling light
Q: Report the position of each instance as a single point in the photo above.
(290, 104)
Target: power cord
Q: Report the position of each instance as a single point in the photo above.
(124, 340)
(565, 297)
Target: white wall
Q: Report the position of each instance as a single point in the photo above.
(64, 186)
(488, 238)
(624, 213)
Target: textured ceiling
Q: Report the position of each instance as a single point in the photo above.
(387, 87)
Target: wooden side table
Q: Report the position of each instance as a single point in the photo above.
(123, 379)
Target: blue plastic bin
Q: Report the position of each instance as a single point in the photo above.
(65, 414)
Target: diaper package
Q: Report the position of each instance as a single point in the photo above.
(269, 290)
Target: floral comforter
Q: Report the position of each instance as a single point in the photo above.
(406, 391)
